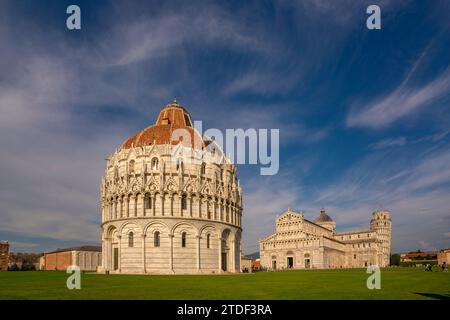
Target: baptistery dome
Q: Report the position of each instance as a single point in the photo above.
(171, 202)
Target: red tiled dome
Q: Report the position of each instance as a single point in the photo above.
(323, 217)
(170, 118)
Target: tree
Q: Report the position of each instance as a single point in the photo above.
(14, 267)
(395, 259)
(28, 266)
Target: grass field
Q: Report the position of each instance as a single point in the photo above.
(398, 283)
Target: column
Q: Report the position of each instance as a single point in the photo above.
(143, 205)
(220, 255)
(127, 207)
(108, 254)
(162, 203)
(133, 206)
(208, 209)
(215, 209)
(233, 255)
(144, 269)
(171, 252)
(153, 204)
(232, 214)
(200, 207)
(172, 196)
(180, 196)
(190, 205)
(104, 252)
(198, 253)
(119, 254)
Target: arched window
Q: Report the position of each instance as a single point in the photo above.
(183, 202)
(148, 202)
(203, 169)
(156, 239)
(183, 240)
(179, 164)
(155, 164)
(131, 240)
(131, 167)
(208, 241)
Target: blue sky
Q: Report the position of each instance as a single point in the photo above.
(364, 115)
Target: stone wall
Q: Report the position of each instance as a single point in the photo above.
(57, 260)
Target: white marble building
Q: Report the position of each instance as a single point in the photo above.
(166, 214)
(302, 244)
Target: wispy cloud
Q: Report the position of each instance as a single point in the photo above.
(401, 102)
(145, 40)
(264, 200)
(387, 143)
(413, 185)
(426, 246)
(22, 245)
(402, 141)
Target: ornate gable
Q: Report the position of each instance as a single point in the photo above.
(290, 216)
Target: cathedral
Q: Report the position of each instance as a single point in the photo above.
(302, 244)
(165, 209)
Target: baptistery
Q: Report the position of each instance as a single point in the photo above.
(171, 202)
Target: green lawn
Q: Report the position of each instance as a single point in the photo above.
(398, 283)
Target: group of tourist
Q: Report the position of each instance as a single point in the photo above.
(444, 267)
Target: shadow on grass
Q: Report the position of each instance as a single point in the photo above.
(435, 295)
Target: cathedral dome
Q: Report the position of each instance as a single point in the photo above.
(323, 217)
(171, 118)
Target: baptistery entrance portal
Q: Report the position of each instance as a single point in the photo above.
(307, 261)
(226, 235)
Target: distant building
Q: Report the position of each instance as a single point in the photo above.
(4, 256)
(256, 264)
(302, 244)
(88, 258)
(444, 256)
(418, 255)
(246, 263)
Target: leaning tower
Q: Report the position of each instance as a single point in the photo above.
(381, 224)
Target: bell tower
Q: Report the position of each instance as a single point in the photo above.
(381, 223)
